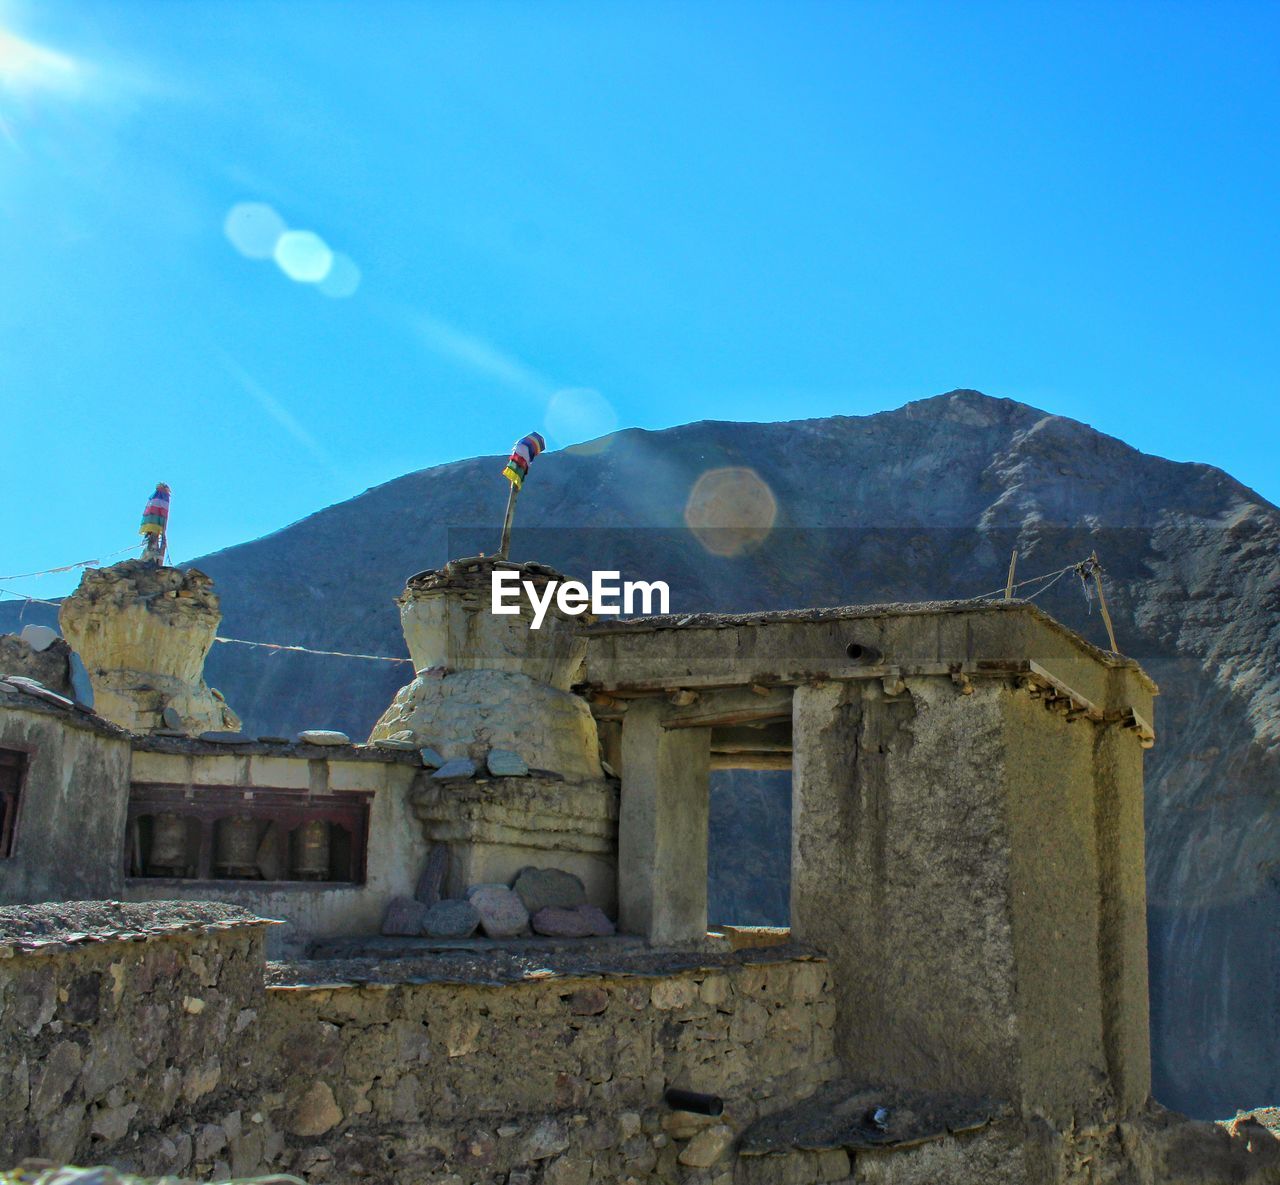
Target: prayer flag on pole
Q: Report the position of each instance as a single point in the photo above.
(155, 517)
(527, 447)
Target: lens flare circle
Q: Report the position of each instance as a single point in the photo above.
(303, 256)
(731, 510)
(343, 278)
(254, 229)
(581, 414)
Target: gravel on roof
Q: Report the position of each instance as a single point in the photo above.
(577, 958)
(87, 921)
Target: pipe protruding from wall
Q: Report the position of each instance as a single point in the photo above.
(691, 1100)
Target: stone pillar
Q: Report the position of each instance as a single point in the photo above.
(971, 863)
(900, 874)
(1122, 938)
(837, 852)
(662, 827)
(143, 633)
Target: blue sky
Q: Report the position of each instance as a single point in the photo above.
(570, 216)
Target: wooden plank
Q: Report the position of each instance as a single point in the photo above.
(750, 760)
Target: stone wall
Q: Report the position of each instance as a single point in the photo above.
(141, 1036)
(558, 1078)
(48, 662)
(126, 1033)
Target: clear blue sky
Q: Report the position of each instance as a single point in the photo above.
(567, 215)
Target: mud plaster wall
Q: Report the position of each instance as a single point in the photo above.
(918, 920)
(72, 809)
(948, 853)
(395, 845)
(1053, 867)
(167, 1056)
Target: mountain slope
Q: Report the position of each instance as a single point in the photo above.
(919, 503)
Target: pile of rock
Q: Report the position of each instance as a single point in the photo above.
(143, 633)
(39, 654)
(545, 901)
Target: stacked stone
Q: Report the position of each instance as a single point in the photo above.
(546, 901)
(126, 1031)
(40, 655)
(513, 753)
(419, 1082)
(143, 633)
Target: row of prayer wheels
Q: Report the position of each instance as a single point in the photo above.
(236, 844)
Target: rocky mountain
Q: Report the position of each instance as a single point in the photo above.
(923, 502)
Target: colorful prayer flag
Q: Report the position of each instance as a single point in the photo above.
(155, 516)
(526, 448)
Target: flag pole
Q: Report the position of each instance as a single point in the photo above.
(155, 525)
(505, 545)
(517, 468)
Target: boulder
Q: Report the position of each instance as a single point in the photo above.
(431, 882)
(38, 637)
(459, 767)
(601, 926)
(404, 917)
(506, 763)
(323, 736)
(707, 1146)
(543, 888)
(451, 919)
(502, 914)
(561, 923)
(472, 890)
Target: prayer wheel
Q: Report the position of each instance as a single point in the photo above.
(311, 851)
(168, 855)
(236, 853)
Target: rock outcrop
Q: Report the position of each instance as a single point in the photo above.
(49, 663)
(143, 633)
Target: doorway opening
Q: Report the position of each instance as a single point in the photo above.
(749, 848)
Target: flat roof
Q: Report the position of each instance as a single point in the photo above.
(621, 643)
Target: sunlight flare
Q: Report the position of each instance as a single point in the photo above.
(26, 67)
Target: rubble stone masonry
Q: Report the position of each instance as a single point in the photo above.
(163, 1052)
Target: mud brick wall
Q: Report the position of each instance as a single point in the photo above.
(555, 1080)
(131, 1046)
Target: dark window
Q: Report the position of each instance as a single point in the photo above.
(12, 766)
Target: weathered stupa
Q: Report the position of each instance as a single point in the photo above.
(519, 779)
(143, 632)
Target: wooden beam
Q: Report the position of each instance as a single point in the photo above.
(750, 760)
(731, 706)
(767, 738)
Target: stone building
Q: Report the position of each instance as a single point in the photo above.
(962, 995)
